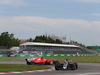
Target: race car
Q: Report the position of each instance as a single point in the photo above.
(66, 65)
(39, 60)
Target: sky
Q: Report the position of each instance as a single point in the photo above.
(77, 20)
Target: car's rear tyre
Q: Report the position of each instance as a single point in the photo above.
(32, 62)
(28, 63)
(76, 65)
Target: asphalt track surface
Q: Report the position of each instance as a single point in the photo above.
(84, 69)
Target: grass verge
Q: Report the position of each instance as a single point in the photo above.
(17, 67)
(80, 59)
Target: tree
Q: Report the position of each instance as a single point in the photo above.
(8, 40)
(58, 41)
(30, 39)
(46, 39)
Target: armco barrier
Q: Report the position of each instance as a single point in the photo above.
(55, 55)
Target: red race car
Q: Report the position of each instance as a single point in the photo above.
(39, 60)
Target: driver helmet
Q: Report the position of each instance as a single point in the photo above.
(41, 57)
(66, 59)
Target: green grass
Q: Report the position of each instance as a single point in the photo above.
(13, 58)
(81, 59)
(17, 67)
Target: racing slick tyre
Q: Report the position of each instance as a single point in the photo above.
(72, 67)
(28, 63)
(56, 68)
(57, 65)
(32, 62)
(76, 65)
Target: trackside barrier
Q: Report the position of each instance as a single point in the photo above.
(55, 55)
(3, 55)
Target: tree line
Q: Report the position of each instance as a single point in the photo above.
(45, 39)
(8, 40)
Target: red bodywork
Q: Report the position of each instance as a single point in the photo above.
(43, 61)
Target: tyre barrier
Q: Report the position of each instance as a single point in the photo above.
(48, 55)
(3, 55)
(55, 55)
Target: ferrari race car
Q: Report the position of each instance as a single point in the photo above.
(66, 65)
(39, 60)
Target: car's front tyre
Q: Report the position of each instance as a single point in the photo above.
(56, 68)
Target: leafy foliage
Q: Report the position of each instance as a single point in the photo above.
(8, 40)
(45, 39)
